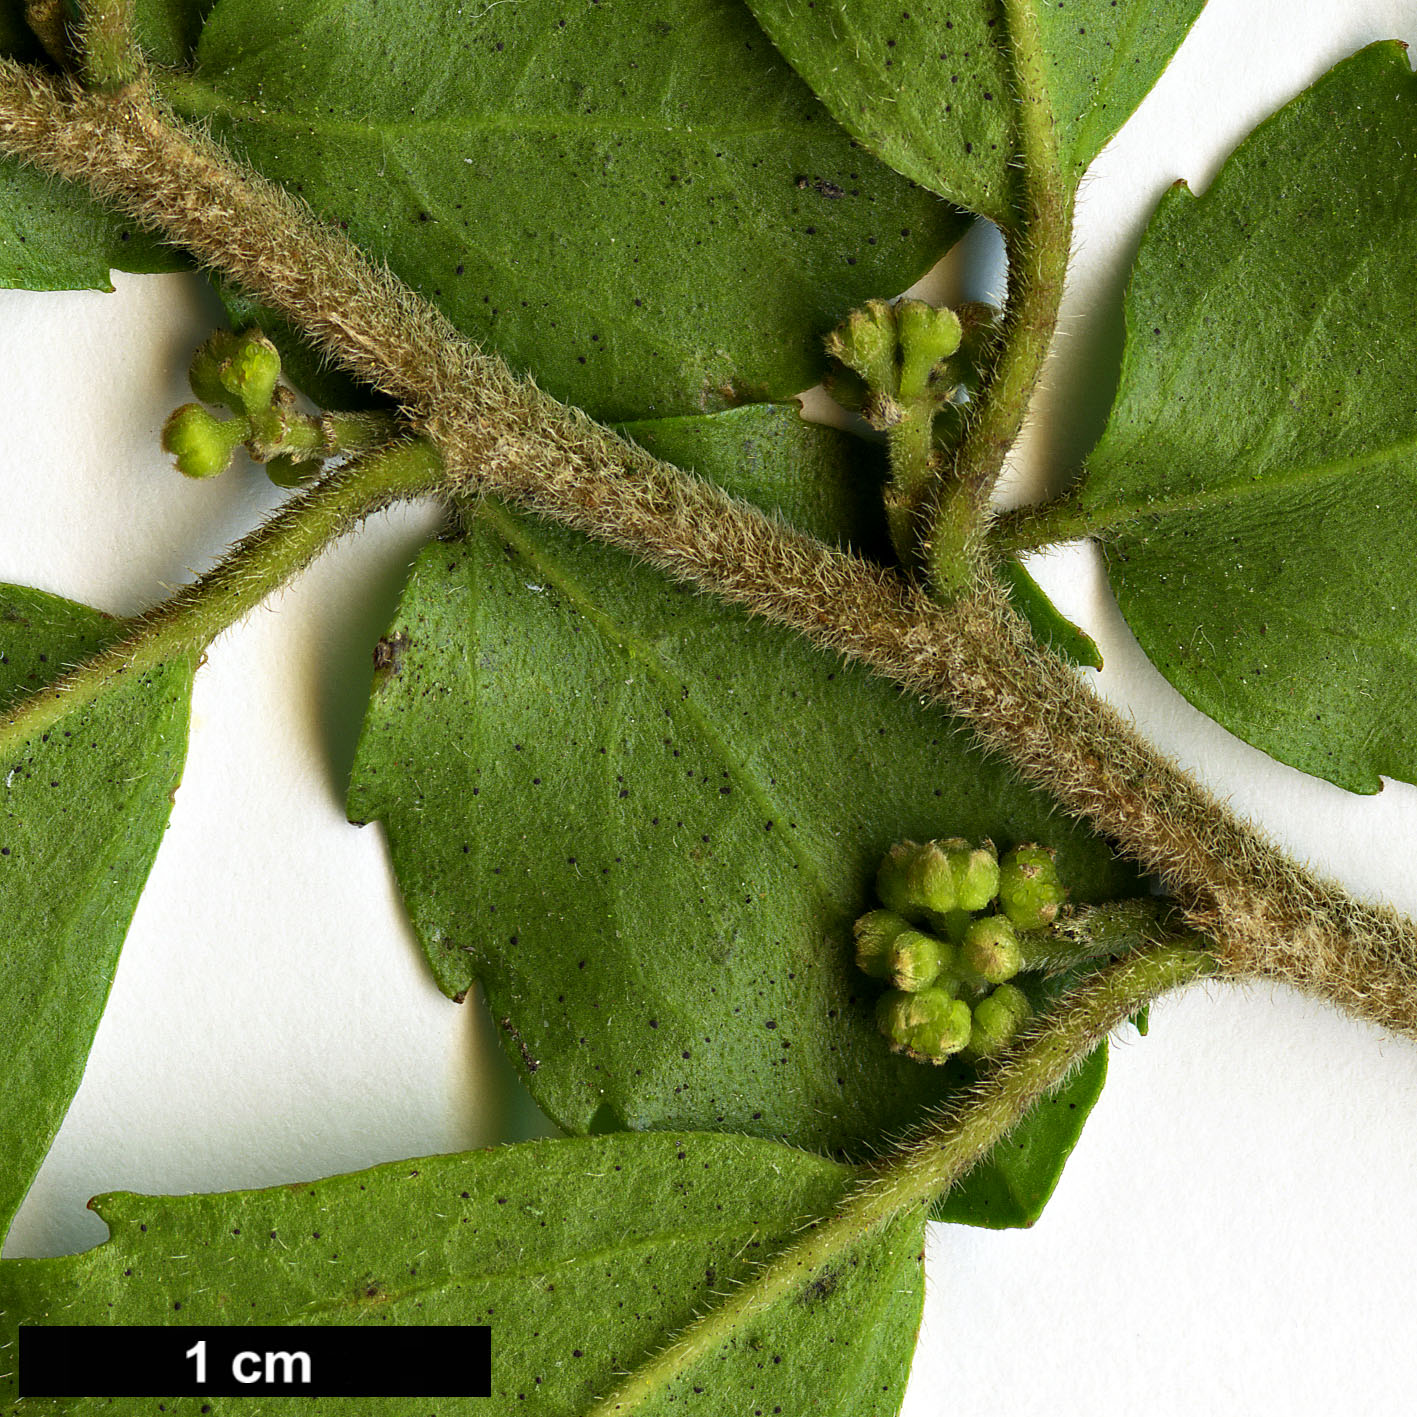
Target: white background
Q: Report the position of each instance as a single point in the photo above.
(1234, 1233)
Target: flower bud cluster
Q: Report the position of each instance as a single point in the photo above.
(241, 373)
(895, 356)
(956, 925)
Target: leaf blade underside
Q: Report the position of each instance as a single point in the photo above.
(582, 1255)
(1253, 487)
(646, 825)
(653, 215)
(82, 811)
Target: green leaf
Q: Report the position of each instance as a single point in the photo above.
(82, 810)
(1050, 627)
(646, 823)
(1012, 1187)
(647, 209)
(168, 30)
(928, 89)
(1103, 57)
(1254, 485)
(53, 237)
(583, 1255)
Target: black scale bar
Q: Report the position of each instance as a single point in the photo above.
(227, 1361)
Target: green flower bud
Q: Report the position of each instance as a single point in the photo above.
(916, 880)
(876, 933)
(890, 948)
(250, 374)
(866, 342)
(997, 1020)
(991, 949)
(927, 336)
(1029, 889)
(202, 445)
(929, 1026)
(204, 373)
(976, 872)
(916, 960)
(237, 371)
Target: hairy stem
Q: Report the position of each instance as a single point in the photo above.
(929, 1165)
(280, 430)
(1267, 915)
(1038, 249)
(46, 18)
(184, 625)
(1047, 524)
(1094, 932)
(914, 468)
(108, 51)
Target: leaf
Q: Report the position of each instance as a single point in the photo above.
(645, 208)
(822, 481)
(1254, 485)
(1012, 1187)
(646, 823)
(927, 89)
(82, 810)
(52, 237)
(581, 1254)
(1103, 58)
(1050, 627)
(168, 29)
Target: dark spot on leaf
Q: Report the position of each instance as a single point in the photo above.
(820, 1288)
(528, 1061)
(388, 657)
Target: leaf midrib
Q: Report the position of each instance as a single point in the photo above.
(1261, 482)
(195, 97)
